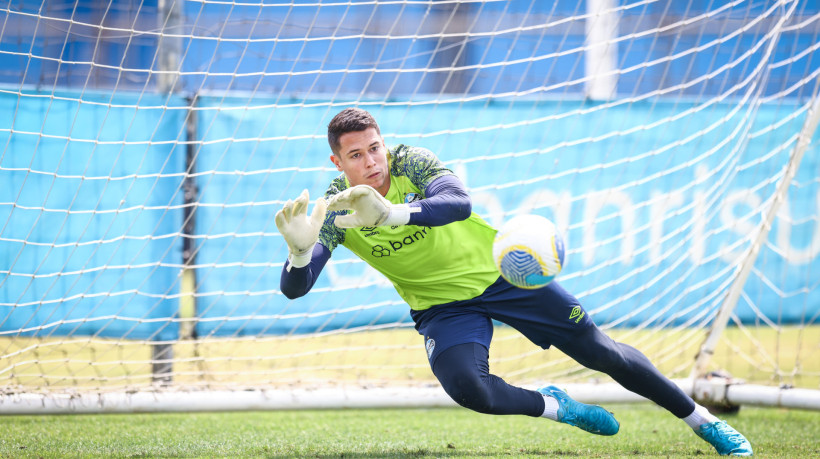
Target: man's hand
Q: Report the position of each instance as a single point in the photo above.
(299, 231)
(369, 208)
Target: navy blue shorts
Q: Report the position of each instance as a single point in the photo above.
(546, 316)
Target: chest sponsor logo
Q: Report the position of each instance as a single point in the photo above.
(384, 250)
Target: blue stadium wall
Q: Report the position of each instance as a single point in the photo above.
(78, 252)
(144, 269)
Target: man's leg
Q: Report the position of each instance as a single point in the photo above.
(551, 315)
(457, 337)
(463, 371)
(629, 367)
(633, 370)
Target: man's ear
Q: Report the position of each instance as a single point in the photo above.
(335, 160)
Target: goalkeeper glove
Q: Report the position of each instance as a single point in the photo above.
(299, 231)
(369, 209)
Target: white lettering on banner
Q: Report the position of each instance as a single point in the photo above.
(784, 235)
(745, 222)
(491, 208)
(736, 213)
(697, 250)
(560, 204)
(595, 202)
(661, 206)
(740, 213)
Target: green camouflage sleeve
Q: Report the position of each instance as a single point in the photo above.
(331, 235)
(420, 165)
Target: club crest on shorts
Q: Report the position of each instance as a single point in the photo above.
(430, 345)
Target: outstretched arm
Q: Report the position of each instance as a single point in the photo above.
(446, 201)
(306, 257)
(296, 282)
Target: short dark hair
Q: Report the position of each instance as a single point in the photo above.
(349, 120)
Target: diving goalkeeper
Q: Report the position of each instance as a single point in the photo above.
(412, 221)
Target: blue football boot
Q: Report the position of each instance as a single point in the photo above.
(592, 418)
(726, 440)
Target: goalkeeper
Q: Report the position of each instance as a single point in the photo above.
(412, 221)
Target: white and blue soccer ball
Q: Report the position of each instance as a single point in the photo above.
(528, 251)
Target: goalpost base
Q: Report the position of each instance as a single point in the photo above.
(711, 391)
(727, 392)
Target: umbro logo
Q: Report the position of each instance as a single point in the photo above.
(577, 314)
(369, 231)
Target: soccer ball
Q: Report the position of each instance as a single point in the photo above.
(528, 251)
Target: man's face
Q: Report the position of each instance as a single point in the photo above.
(363, 159)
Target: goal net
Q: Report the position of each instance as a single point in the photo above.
(147, 146)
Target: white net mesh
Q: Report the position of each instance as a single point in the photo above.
(147, 146)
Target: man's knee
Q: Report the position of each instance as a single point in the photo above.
(463, 371)
(611, 358)
(597, 351)
(469, 391)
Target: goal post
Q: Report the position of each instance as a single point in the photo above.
(148, 145)
(760, 235)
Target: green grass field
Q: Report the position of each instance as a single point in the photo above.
(454, 432)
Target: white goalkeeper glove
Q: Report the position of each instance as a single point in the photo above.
(299, 231)
(369, 209)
